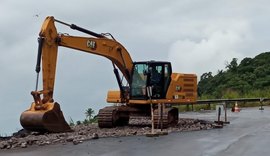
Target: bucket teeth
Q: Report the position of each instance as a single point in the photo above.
(49, 120)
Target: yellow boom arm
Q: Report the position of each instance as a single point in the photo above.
(102, 46)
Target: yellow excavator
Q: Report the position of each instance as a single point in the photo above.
(150, 84)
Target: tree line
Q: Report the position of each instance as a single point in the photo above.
(247, 79)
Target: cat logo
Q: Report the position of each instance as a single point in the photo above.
(91, 44)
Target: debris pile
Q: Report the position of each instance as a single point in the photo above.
(141, 126)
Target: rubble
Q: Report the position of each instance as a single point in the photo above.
(81, 133)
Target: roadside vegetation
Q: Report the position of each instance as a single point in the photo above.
(248, 79)
(90, 118)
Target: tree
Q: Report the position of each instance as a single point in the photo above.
(89, 113)
(78, 122)
(246, 61)
(250, 76)
(220, 72)
(206, 75)
(232, 66)
(71, 122)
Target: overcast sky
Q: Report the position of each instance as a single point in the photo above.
(197, 36)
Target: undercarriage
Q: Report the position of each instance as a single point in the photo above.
(113, 116)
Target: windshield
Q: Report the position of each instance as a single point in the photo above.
(139, 81)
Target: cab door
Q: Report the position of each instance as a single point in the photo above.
(159, 79)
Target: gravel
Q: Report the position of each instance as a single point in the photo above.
(81, 133)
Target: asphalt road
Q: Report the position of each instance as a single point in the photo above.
(248, 134)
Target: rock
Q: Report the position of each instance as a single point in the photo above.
(81, 133)
(15, 145)
(76, 142)
(61, 135)
(95, 136)
(30, 142)
(12, 141)
(70, 139)
(23, 145)
(56, 140)
(3, 144)
(40, 143)
(21, 133)
(8, 146)
(47, 142)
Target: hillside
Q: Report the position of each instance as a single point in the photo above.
(249, 78)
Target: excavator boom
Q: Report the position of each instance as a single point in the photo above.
(105, 47)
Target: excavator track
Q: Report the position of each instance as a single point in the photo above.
(169, 117)
(113, 116)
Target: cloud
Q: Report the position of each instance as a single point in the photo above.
(218, 41)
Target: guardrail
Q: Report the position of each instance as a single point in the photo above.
(226, 102)
(232, 100)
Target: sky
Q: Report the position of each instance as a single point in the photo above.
(196, 36)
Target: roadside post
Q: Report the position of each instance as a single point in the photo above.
(161, 108)
(149, 93)
(225, 113)
(219, 112)
(160, 114)
(261, 102)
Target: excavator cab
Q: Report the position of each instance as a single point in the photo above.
(152, 73)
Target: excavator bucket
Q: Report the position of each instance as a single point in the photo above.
(48, 119)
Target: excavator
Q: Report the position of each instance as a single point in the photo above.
(149, 85)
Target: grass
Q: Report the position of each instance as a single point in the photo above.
(196, 107)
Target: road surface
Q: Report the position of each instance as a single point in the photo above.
(248, 134)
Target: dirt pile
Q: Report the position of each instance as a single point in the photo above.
(141, 126)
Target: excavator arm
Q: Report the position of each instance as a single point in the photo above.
(99, 45)
(108, 48)
(45, 114)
